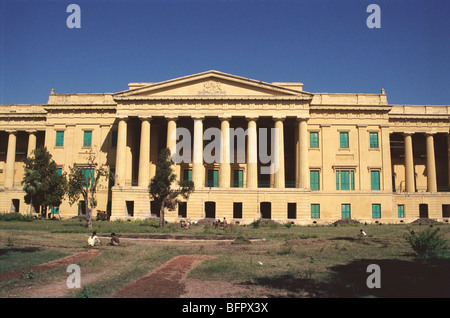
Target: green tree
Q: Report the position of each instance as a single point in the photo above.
(42, 183)
(84, 180)
(160, 187)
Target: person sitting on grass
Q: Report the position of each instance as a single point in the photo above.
(93, 239)
(114, 240)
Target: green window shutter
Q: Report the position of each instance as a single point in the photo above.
(59, 139)
(89, 173)
(337, 180)
(375, 180)
(238, 178)
(376, 211)
(345, 211)
(345, 181)
(313, 140)
(352, 180)
(373, 140)
(315, 211)
(87, 140)
(401, 210)
(215, 178)
(314, 180)
(187, 174)
(343, 136)
(59, 171)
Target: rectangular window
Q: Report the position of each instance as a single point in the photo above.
(238, 178)
(59, 171)
(182, 209)
(292, 210)
(59, 139)
(375, 180)
(343, 140)
(446, 210)
(87, 139)
(345, 211)
(401, 210)
(213, 178)
(373, 136)
(345, 180)
(315, 211)
(187, 174)
(89, 174)
(376, 211)
(314, 179)
(237, 210)
(313, 139)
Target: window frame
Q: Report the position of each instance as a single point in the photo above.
(59, 132)
(344, 143)
(372, 142)
(314, 142)
(376, 213)
(87, 133)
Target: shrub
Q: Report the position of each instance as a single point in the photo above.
(15, 217)
(427, 243)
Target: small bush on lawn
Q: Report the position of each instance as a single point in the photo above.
(427, 243)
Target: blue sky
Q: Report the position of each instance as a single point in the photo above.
(324, 44)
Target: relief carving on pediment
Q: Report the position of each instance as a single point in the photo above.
(212, 88)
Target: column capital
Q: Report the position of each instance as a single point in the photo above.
(408, 133)
(279, 118)
(171, 117)
(145, 117)
(11, 131)
(198, 117)
(224, 117)
(430, 133)
(251, 118)
(31, 131)
(122, 117)
(299, 119)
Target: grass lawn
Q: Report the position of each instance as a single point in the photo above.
(292, 261)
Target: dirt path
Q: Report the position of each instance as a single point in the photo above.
(166, 281)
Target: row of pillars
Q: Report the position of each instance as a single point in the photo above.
(197, 160)
(11, 154)
(409, 163)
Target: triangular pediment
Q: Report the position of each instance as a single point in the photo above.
(209, 84)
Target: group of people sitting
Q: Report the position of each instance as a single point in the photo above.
(220, 224)
(93, 240)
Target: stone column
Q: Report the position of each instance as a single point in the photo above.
(121, 155)
(31, 141)
(431, 164)
(225, 169)
(303, 153)
(252, 155)
(279, 155)
(171, 142)
(144, 153)
(171, 134)
(10, 159)
(409, 164)
(197, 166)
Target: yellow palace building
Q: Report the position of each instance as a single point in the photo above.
(285, 154)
